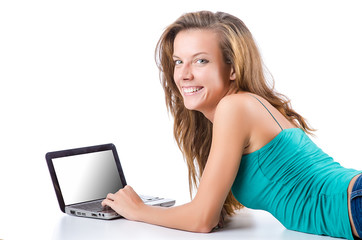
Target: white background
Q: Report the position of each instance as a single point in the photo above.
(77, 73)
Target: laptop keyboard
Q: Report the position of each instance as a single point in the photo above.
(96, 206)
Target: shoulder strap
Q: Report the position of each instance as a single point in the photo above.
(268, 111)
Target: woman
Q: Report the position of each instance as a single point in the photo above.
(242, 141)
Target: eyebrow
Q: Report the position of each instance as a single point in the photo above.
(194, 55)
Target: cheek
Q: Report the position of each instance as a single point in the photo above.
(176, 78)
(176, 81)
(217, 79)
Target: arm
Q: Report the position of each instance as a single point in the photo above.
(231, 131)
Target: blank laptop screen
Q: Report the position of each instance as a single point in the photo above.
(87, 177)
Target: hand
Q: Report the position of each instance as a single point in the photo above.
(125, 202)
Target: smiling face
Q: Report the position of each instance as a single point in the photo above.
(200, 73)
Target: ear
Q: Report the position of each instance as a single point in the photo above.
(232, 74)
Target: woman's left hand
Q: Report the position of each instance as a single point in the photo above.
(125, 202)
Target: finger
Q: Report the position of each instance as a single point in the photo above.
(110, 196)
(107, 202)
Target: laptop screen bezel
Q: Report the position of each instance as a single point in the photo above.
(77, 151)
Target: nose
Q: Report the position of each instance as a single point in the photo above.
(186, 72)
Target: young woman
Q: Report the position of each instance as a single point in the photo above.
(242, 141)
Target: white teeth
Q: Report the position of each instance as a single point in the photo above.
(191, 89)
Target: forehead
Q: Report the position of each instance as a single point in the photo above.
(196, 40)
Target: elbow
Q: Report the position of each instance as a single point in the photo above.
(205, 225)
(204, 218)
(204, 229)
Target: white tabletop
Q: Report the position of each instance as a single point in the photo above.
(247, 224)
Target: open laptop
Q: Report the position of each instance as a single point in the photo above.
(83, 177)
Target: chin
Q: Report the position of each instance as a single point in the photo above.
(191, 107)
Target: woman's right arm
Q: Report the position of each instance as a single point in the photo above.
(231, 131)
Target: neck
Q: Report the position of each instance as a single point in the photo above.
(210, 114)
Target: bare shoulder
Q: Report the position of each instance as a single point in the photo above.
(236, 111)
(239, 105)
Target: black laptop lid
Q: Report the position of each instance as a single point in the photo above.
(85, 174)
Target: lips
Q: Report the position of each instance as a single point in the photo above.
(191, 90)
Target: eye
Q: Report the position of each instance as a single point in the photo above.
(202, 61)
(177, 62)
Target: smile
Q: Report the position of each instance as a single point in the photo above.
(191, 90)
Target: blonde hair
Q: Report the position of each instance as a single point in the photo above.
(192, 130)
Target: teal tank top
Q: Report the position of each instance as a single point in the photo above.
(299, 184)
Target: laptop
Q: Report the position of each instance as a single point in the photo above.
(83, 177)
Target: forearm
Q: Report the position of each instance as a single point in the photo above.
(199, 215)
(187, 217)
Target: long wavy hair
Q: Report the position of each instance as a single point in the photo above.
(192, 130)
